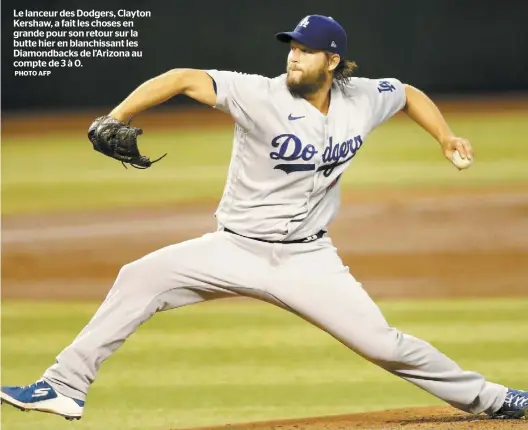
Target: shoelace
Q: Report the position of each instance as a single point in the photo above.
(516, 400)
(25, 387)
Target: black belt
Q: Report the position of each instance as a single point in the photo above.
(308, 239)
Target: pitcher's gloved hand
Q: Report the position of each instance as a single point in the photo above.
(118, 141)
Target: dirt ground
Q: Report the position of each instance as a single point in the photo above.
(397, 243)
(419, 243)
(442, 417)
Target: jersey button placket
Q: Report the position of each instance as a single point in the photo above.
(319, 160)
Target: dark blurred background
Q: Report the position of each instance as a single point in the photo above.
(441, 46)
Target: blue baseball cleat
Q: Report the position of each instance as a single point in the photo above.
(515, 405)
(41, 397)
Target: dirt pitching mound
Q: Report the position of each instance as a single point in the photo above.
(440, 417)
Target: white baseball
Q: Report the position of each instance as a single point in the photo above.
(459, 162)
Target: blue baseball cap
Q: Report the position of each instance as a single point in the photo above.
(318, 32)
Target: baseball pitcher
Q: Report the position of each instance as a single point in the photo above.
(294, 136)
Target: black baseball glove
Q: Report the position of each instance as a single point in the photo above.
(118, 141)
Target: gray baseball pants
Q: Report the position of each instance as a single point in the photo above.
(308, 279)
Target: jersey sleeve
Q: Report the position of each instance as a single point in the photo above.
(387, 97)
(239, 95)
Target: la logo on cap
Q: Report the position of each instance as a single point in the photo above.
(304, 23)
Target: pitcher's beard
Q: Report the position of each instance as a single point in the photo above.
(303, 89)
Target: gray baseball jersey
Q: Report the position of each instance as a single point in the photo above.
(283, 180)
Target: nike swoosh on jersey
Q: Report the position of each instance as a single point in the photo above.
(293, 118)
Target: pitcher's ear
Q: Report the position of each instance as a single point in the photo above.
(333, 61)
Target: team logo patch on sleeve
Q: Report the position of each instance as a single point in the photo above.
(385, 86)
